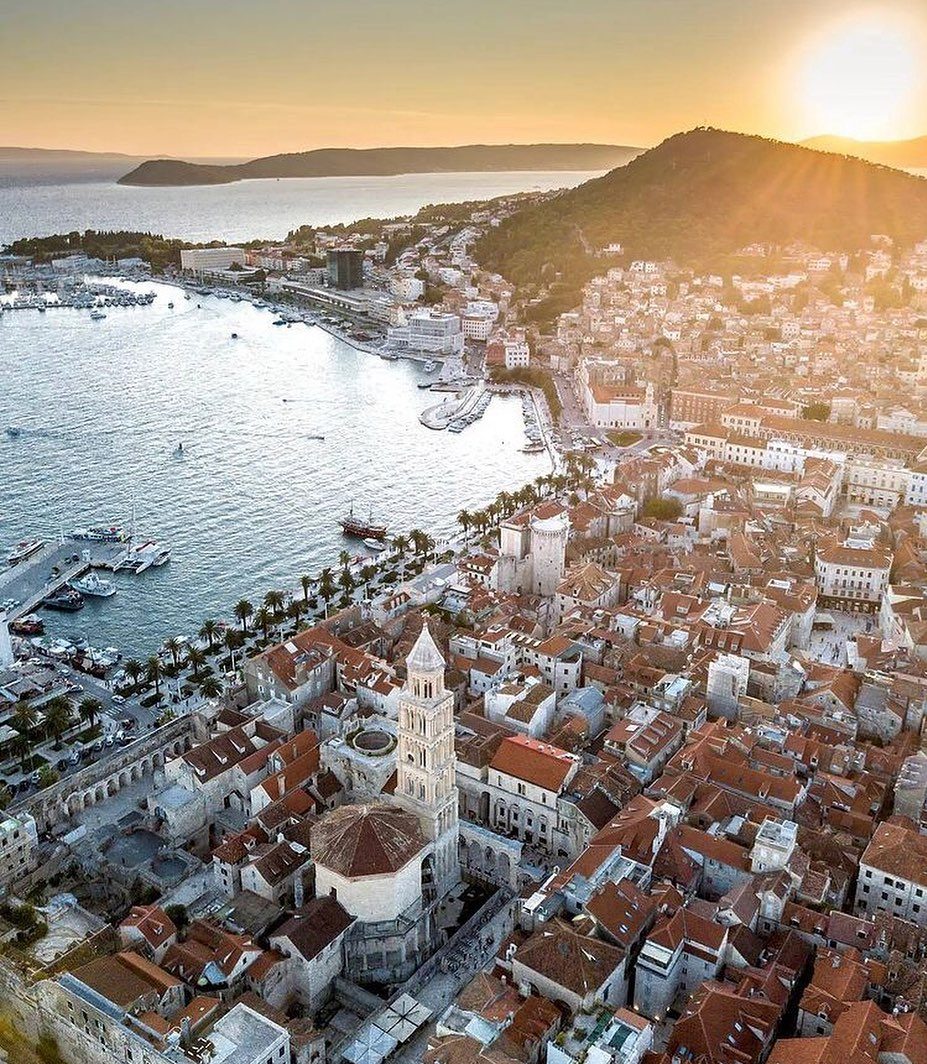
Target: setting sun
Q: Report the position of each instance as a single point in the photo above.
(860, 80)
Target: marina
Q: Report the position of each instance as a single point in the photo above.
(254, 499)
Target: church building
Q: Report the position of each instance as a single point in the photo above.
(390, 863)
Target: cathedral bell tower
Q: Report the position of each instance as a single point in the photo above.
(426, 761)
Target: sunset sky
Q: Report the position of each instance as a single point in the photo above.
(255, 77)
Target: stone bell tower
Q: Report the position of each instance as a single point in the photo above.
(426, 761)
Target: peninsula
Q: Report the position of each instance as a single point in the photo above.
(383, 162)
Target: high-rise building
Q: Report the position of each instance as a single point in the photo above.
(426, 759)
(345, 268)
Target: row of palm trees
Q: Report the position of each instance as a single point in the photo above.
(57, 718)
(576, 475)
(276, 607)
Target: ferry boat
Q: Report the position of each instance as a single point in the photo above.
(66, 598)
(355, 526)
(101, 534)
(23, 550)
(95, 587)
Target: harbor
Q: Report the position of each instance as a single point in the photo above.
(28, 584)
(255, 496)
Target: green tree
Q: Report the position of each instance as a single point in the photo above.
(195, 660)
(178, 915)
(57, 718)
(662, 509)
(464, 520)
(22, 748)
(816, 412)
(274, 600)
(208, 631)
(243, 610)
(305, 582)
(327, 587)
(211, 687)
(263, 619)
(173, 646)
(47, 776)
(134, 669)
(154, 671)
(89, 709)
(23, 716)
(234, 640)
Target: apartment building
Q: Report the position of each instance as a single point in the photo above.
(893, 874)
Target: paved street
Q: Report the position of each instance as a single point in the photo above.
(469, 957)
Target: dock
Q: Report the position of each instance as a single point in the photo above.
(32, 581)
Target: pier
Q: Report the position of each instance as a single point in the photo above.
(33, 580)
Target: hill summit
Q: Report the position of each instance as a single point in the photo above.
(701, 195)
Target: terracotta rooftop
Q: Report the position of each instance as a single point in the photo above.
(366, 840)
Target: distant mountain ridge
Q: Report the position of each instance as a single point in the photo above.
(41, 166)
(383, 162)
(698, 197)
(906, 154)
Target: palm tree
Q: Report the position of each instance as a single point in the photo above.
(154, 672)
(326, 587)
(195, 659)
(344, 559)
(263, 618)
(211, 687)
(295, 610)
(233, 641)
(417, 536)
(208, 631)
(23, 717)
(367, 573)
(134, 670)
(22, 746)
(172, 645)
(505, 501)
(346, 580)
(89, 709)
(464, 520)
(57, 718)
(273, 600)
(243, 610)
(305, 582)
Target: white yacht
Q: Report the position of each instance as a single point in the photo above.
(94, 586)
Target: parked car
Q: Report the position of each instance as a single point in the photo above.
(118, 700)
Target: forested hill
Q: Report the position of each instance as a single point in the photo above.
(360, 162)
(700, 196)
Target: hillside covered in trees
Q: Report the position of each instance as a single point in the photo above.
(701, 195)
